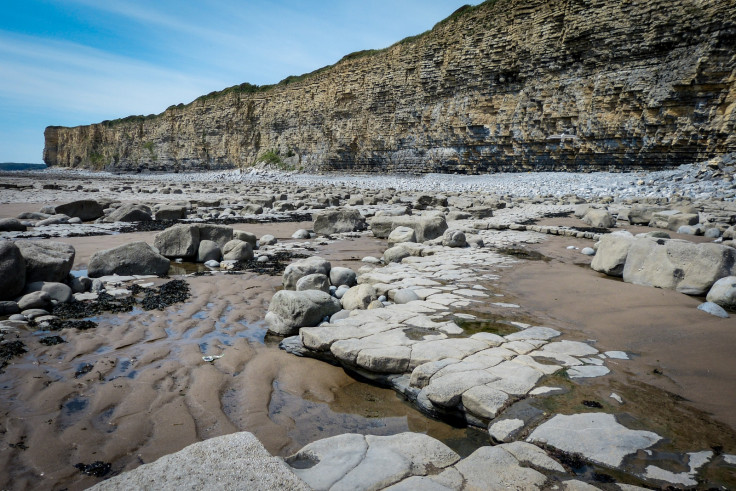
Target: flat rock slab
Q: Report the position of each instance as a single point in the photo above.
(597, 436)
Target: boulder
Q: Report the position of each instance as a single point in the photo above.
(12, 270)
(343, 276)
(642, 214)
(246, 237)
(454, 238)
(303, 267)
(674, 222)
(290, 310)
(396, 254)
(599, 218)
(329, 222)
(208, 250)
(58, 291)
(267, 239)
(611, 254)
(405, 295)
(136, 258)
(316, 281)
(35, 300)
(53, 220)
(426, 227)
(11, 225)
(237, 250)
(178, 241)
(170, 212)
(358, 297)
(300, 234)
(130, 213)
(84, 209)
(220, 234)
(713, 309)
(8, 307)
(661, 219)
(723, 292)
(677, 264)
(46, 260)
(400, 235)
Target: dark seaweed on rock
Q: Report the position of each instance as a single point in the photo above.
(89, 308)
(59, 324)
(9, 350)
(275, 265)
(51, 340)
(95, 469)
(169, 293)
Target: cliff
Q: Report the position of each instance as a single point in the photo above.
(506, 85)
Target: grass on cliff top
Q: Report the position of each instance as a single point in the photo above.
(247, 88)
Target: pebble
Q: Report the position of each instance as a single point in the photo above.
(713, 309)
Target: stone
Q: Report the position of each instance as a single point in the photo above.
(723, 292)
(531, 454)
(246, 237)
(237, 250)
(358, 297)
(11, 225)
(503, 430)
(599, 218)
(341, 291)
(212, 264)
(453, 238)
(384, 359)
(400, 235)
(130, 213)
(677, 264)
(674, 222)
(46, 260)
(642, 214)
(483, 401)
(303, 267)
(426, 227)
(713, 309)
(587, 371)
(233, 461)
(179, 241)
(405, 295)
(330, 222)
(495, 468)
(85, 209)
(343, 276)
(398, 253)
(8, 307)
(315, 281)
(53, 220)
(219, 234)
(290, 310)
(12, 270)
(376, 304)
(301, 234)
(596, 436)
(447, 390)
(58, 291)
(208, 251)
(267, 240)
(323, 463)
(35, 300)
(588, 251)
(170, 212)
(613, 249)
(135, 258)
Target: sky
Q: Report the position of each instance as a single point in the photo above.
(75, 62)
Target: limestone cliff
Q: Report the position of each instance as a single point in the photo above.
(507, 85)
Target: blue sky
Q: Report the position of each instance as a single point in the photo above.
(73, 62)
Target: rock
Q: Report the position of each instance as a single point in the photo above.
(8, 307)
(208, 251)
(398, 253)
(12, 270)
(246, 237)
(341, 291)
(53, 220)
(495, 468)
(290, 310)
(212, 263)
(300, 234)
(233, 461)
(11, 225)
(330, 222)
(596, 436)
(237, 250)
(170, 212)
(661, 219)
(35, 300)
(316, 281)
(179, 241)
(405, 295)
(676, 221)
(588, 251)
(426, 227)
(483, 401)
(677, 264)
(267, 240)
(219, 234)
(130, 213)
(46, 260)
(642, 214)
(343, 276)
(599, 218)
(453, 238)
(343, 314)
(713, 309)
(136, 258)
(376, 304)
(329, 460)
(723, 292)
(505, 429)
(358, 297)
(85, 209)
(400, 235)
(712, 233)
(303, 267)
(58, 291)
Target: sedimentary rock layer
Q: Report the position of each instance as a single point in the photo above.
(507, 85)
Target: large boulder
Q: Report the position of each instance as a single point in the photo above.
(46, 260)
(220, 234)
(208, 251)
(358, 297)
(134, 258)
(12, 270)
(60, 292)
(178, 241)
(170, 212)
(237, 250)
(35, 300)
(677, 264)
(84, 209)
(11, 225)
(316, 281)
(400, 235)
(248, 237)
(426, 227)
(290, 310)
(642, 214)
(303, 267)
(678, 220)
(599, 218)
(610, 257)
(329, 222)
(343, 276)
(723, 292)
(454, 238)
(130, 213)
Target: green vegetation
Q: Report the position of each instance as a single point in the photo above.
(273, 157)
(97, 159)
(149, 146)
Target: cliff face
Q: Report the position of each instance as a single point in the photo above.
(507, 85)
